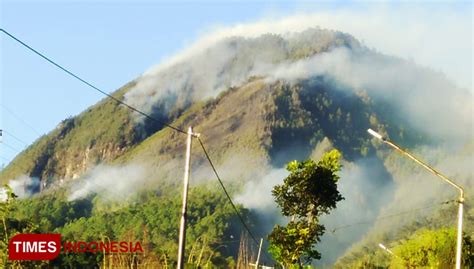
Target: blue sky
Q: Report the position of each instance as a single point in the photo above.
(107, 43)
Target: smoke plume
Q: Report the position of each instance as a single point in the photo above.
(365, 185)
(111, 182)
(294, 49)
(446, 112)
(257, 195)
(25, 186)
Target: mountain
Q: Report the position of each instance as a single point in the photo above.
(107, 131)
(258, 102)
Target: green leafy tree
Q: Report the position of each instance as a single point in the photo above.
(5, 209)
(11, 226)
(308, 192)
(433, 249)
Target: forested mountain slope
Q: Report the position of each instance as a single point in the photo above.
(258, 103)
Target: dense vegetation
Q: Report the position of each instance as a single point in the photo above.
(427, 242)
(213, 235)
(432, 248)
(101, 133)
(248, 129)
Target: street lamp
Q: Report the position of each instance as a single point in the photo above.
(443, 177)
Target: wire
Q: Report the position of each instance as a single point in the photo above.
(390, 216)
(20, 119)
(16, 138)
(10, 147)
(90, 85)
(227, 193)
(12, 164)
(143, 114)
(257, 243)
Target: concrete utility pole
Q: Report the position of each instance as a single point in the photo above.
(443, 177)
(258, 255)
(182, 226)
(259, 251)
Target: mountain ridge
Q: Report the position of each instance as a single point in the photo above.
(251, 124)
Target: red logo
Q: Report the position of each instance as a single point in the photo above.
(34, 246)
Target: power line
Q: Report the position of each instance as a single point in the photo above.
(10, 147)
(141, 113)
(390, 216)
(15, 137)
(14, 164)
(20, 119)
(244, 224)
(226, 193)
(90, 85)
(136, 110)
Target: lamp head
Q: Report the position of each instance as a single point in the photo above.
(375, 134)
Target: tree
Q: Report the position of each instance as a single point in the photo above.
(308, 192)
(11, 226)
(432, 248)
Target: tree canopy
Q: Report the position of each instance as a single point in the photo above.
(308, 192)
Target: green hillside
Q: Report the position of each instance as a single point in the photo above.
(107, 130)
(276, 118)
(101, 133)
(417, 244)
(250, 128)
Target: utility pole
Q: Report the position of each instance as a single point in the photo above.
(258, 255)
(443, 177)
(182, 226)
(259, 251)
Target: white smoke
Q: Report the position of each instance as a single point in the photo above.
(25, 186)
(365, 185)
(225, 59)
(229, 56)
(446, 111)
(416, 193)
(417, 187)
(366, 188)
(436, 35)
(230, 62)
(257, 194)
(424, 98)
(111, 182)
